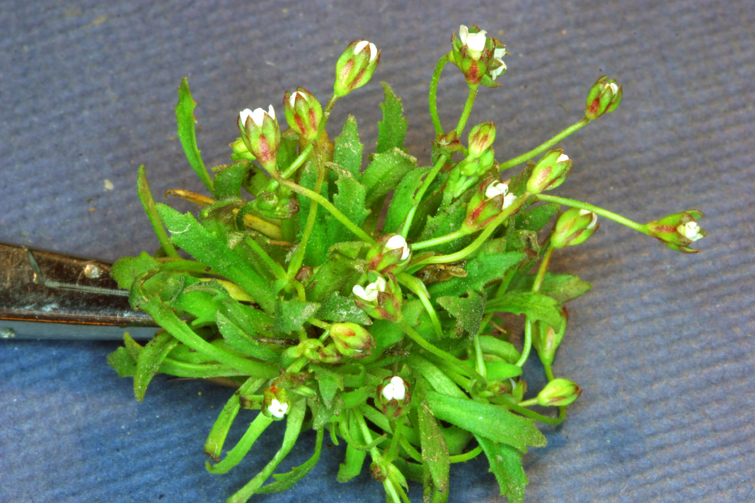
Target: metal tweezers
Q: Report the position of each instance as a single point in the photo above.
(46, 295)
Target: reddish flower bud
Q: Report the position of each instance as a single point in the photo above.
(275, 402)
(390, 254)
(573, 227)
(550, 171)
(355, 67)
(352, 340)
(605, 96)
(559, 392)
(679, 230)
(261, 135)
(303, 113)
(481, 138)
(393, 397)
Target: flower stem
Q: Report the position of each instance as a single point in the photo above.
(276, 268)
(440, 240)
(298, 161)
(421, 193)
(527, 344)
(298, 258)
(532, 153)
(460, 458)
(467, 109)
(374, 453)
(418, 288)
(433, 95)
(598, 211)
(539, 417)
(544, 263)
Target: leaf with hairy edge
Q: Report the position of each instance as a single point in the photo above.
(434, 450)
(480, 270)
(228, 179)
(348, 150)
(561, 287)
(120, 360)
(349, 200)
(187, 134)
(315, 254)
(341, 310)
(214, 444)
(290, 315)
(150, 359)
(126, 269)
(534, 305)
(285, 480)
(506, 465)
(385, 172)
(392, 129)
(189, 234)
(328, 381)
(403, 199)
(493, 422)
(536, 218)
(239, 340)
(467, 310)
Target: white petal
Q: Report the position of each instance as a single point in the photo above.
(463, 34)
(360, 292)
(562, 158)
(690, 230)
(257, 116)
(476, 41)
(613, 87)
(396, 242)
(292, 99)
(395, 389)
(277, 409)
(508, 201)
(271, 112)
(496, 189)
(360, 45)
(594, 218)
(499, 53)
(244, 115)
(373, 52)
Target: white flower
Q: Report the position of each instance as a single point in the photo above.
(496, 189)
(562, 158)
(594, 218)
(395, 389)
(497, 55)
(277, 409)
(475, 42)
(373, 49)
(690, 230)
(257, 116)
(370, 294)
(396, 242)
(508, 200)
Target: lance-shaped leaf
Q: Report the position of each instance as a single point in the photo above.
(349, 200)
(239, 340)
(404, 199)
(385, 172)
(290, 315)
(392, 129)
(235, 455)
(150, 359)
(228, 179)
(534, 305)
(189, 234)
(480, 270)
(493, 422)
(328, 381)
(120, 360)
(434, 450)
(348, 151)
(187, 134)
(506, 465)
(536, 218)
(341, 310)
(352, 465)
(468, 310)
(285, 480)
(561, 287)
(214, 444)
(315, 253)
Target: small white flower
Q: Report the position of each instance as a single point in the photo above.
(690, 230)
(277, 409)
(373, 49)
(508, 200)
(257, 116)
(370, 294)
(475, 42)
(396, 242)
(496, 189)
(395, 389)
(497, 55)
(594, 218)
(562, 158)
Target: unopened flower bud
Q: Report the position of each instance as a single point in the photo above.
(390, 254)
(559, 392)
(473, 53)
(573, 227)
(679, 230)
(355, 67)
(490, 199)
(261, 135)
(275, 402)
(546, 339)
(604, 97)
(550, 171)
(393, 396)
(303, 113)
(329, 354)
(481, 138)
(240, 151)
(352, 340)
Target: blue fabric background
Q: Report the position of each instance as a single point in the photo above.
(663, 345)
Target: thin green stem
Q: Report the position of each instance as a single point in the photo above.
(274, 266)
(467, 109)
(433, 94)
(479, 357)
(598, 211)
(418, 288)
(298, 258)
(542, 269)
(548, 371)
(374, 452)
(545, 146)
(539, 417)
(440, 239)
(461, 458)
(298, 161)
(421, 193)
(315, 197)
(527, 344)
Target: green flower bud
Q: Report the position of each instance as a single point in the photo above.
(490, 199)
(329, 354)
(393, 397)
(352, 340)
(679, 230)
(546, 339)
(390, 254)
(240, 151)
(481, 138)
(573, 227)
(518, 388)
(303, 113)
(550, 171)
(261, 135)
(355, 67)
(605, 96)
(559, 392)
(275, 402)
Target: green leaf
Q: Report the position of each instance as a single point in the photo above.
(434, 376)
(415, 314)
(239, 340)
(434, 450)
(214, 444)
(316, 252)
(502, 370)
(287, 150)
(126, 269)
(392, 129)
(331, 276)
(534, 305)
(352, 465)
(228, 179)
(446, 221)
(480, 270)
(386, 334)
(493, 422)
(348, 150)
(341, 310)
(187, 135)
(286, 480)
(235, 455)
(536, 218)
(149, 361)
(468, 311)
(189, 234)
(121, 361)
(148, 202)
(561, 287)
(328, 381)
(500, 348)
(506, 465)
(290, 315)
(385, 172)
(350, 201)
(404, 199)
